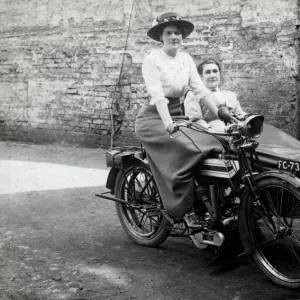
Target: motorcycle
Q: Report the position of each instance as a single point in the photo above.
(252, 202)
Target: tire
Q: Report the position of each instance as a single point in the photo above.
(273, 230)
(144, 229)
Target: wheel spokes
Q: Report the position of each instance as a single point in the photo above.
(276, 231)
(141, 190)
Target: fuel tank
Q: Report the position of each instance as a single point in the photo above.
(219, 168)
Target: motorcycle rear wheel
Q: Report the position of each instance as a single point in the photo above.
(273, 227)
(145, 224)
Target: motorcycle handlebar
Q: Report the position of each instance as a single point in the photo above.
(184, 123)
(245, 128)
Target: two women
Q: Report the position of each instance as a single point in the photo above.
(173, 158)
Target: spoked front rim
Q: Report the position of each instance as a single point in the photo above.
(144, 219)
(276, 232)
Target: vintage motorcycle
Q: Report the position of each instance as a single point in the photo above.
(252, 202)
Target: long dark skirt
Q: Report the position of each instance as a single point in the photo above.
(172, 159)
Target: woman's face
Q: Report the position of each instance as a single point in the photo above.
(211, 76)
(171, 37)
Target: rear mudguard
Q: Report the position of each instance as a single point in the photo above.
(111, 179)
(242, 218)
(121, 159)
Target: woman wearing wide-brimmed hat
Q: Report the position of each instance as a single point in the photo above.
(167, 71)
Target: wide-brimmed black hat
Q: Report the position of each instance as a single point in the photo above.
(169, 18)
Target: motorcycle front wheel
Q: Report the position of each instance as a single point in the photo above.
(272, 226)
(142, 221)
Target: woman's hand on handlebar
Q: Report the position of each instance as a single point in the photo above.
(170, 126)
(174, 126)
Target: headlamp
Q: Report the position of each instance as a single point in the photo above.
(252, 127)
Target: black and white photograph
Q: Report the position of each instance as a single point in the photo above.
(149, 149)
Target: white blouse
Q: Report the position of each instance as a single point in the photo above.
(167, 76)
(196, 109)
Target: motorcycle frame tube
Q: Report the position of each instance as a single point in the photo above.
(214, 201)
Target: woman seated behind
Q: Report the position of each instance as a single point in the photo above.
(210, 73)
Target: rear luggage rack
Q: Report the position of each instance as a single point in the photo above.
(123, 157)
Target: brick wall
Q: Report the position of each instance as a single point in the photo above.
(60, 61)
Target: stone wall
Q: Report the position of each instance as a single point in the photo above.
(60, 61)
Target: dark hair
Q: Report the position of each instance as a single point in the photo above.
(207, 62)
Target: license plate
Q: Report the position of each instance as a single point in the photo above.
(288, 165)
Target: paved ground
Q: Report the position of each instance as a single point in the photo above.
(59, 241)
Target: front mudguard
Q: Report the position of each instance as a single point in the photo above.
(289, 177)
(244, 233)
